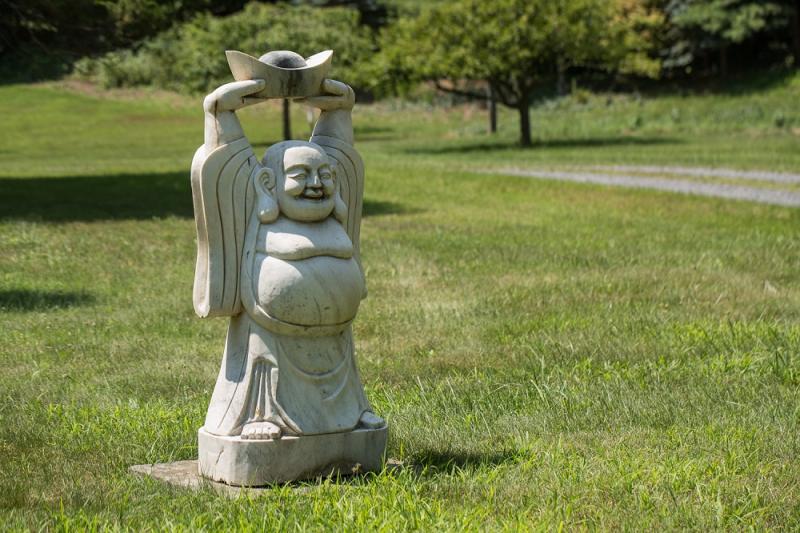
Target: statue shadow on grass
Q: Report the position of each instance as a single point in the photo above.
(427, 463)
(38, 300)
(590, 142)
(116, 197)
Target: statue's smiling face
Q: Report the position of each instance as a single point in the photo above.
(306, 189)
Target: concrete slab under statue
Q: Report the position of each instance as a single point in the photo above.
(278, 254)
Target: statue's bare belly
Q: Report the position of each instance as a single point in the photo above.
(316, 291)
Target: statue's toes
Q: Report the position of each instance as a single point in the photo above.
(261, 431)
(371, 421)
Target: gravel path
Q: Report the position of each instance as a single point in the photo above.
(705, 172)
(719, 190)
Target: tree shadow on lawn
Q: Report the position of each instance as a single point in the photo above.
(591, 142)
(374, 133)
(116, 197)
(36, 300)
(365, 133)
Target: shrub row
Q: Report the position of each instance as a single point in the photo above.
(189, 58)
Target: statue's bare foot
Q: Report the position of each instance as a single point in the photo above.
(370, 420)
(261, 431)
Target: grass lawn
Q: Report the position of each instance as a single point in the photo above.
(547, 354)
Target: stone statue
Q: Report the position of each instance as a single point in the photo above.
(278, 253)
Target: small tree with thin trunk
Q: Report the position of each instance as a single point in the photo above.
(514, 44)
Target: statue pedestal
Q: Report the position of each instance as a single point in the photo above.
(253, 463)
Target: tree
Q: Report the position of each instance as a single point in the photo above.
(703, 27)
(515, 44)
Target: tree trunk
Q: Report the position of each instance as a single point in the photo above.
(287, 121)
(310, 119)
(723, 60)
(796, 35)
(524, 121)
(561, 78)
(492, 103)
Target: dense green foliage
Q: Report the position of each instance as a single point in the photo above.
(40, 38)
(703, 27)
(548, 355)
(190, 57)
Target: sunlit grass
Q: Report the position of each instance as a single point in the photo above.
(546, 353)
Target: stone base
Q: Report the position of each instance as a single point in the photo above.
(253, 463)
(184, 474)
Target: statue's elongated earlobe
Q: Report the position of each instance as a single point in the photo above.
(339, 207)
(264, 182)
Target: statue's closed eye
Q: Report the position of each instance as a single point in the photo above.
(297, 175)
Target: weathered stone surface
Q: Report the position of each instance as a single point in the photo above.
(246, 462)
(182, 474)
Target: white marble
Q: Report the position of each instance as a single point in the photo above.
(278, 253)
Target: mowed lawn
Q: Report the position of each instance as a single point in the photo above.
(547, 354)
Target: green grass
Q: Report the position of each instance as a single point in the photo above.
(547, 354)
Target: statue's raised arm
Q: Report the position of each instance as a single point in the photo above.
(337, 106)
(222, 171)
(334, 133)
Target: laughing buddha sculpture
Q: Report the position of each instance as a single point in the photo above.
(278, 253)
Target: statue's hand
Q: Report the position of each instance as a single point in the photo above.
(337, 95)
(233, 96)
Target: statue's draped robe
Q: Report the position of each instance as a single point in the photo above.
(302, 378)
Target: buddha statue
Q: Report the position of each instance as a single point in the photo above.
(278, 253)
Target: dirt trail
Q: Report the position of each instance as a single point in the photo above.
(718, 190)
(705, 172)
